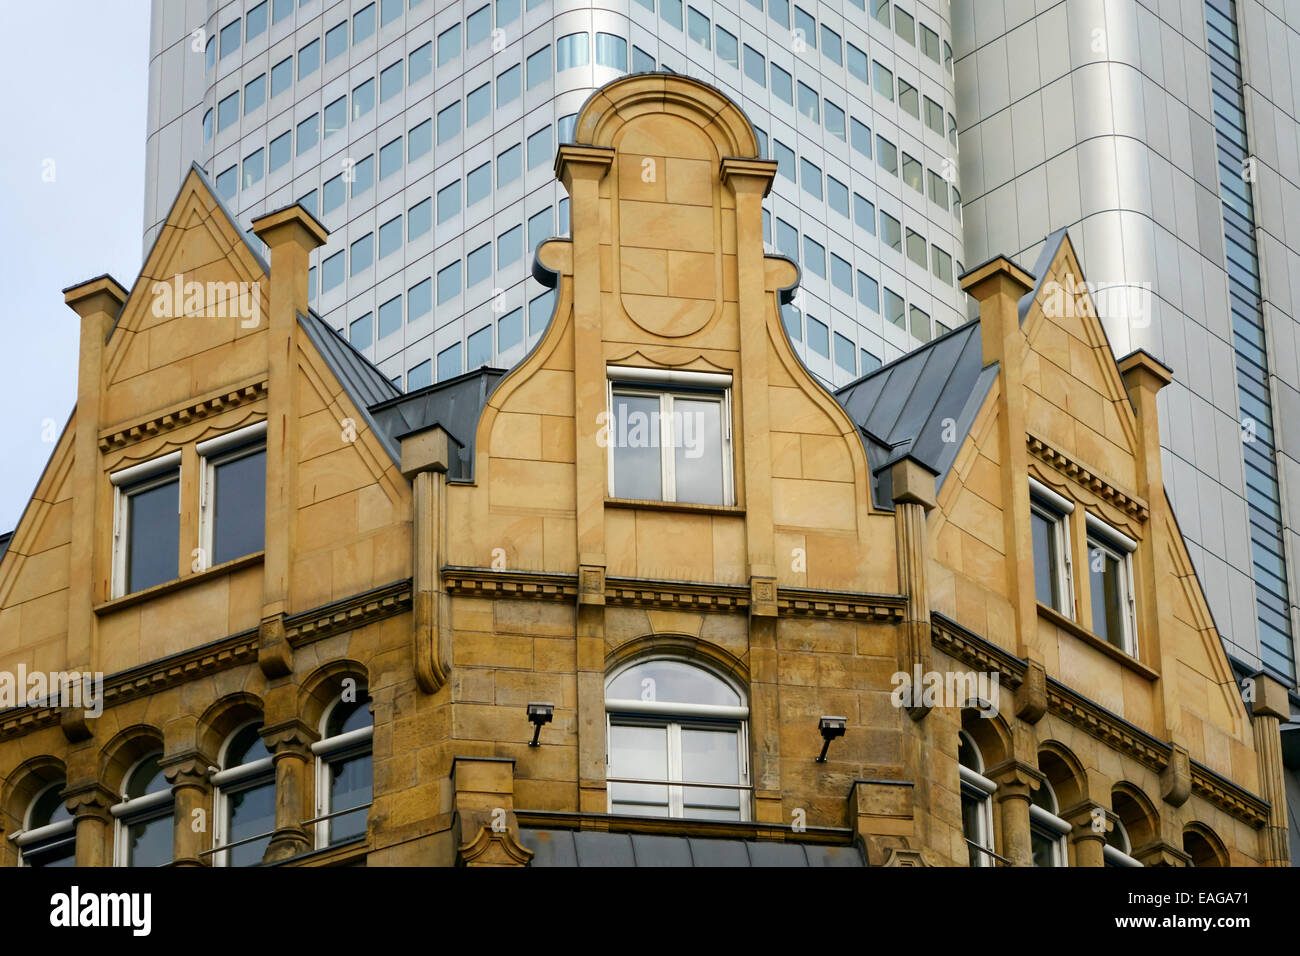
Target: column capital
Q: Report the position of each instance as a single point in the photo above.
(188, 769)
(290, 737)
(747, 175)
(1015, 779)
(574, 162)
(90, 800)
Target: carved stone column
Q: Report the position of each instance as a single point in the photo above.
(1014, 780)
(290, 745)
(487, 833)
(192, 811)
(1270, 708)
(426, 458)
(1088, 842)
(89, 805)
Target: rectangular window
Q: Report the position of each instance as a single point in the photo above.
(811, 178)
(419, 219)
(508, 85)
(831, 48)
(478, 348)
(254, 167)
(818, 337)
(908, 98)
(449, 362)
(308, 202)
(449, 44)
(390, 236)
(571, 50)
(938, 189)
(361, 333)
(941, 265)
(809, 102)
(254, 94)
(281, 150)
(755, 66)
(540, 309)
(448, 122)
(814, 256)
(697, 27)
(336, 40)
(510, 330)
(666, 443)
(860, 137)
(478, 184)
(478, 26)
(390, 158)
(905, 25)
(642, 62)
(868, 292)
(478, 104)
(390, 81)
(335, 192)
(857, 63)
(507, 12)
(363, 99)
(331, 272)
(510, 246)
(308, 133)
(1050, 529)
(281, 76)
(227, 111)
(419, 140)
(363, 24)
(232, 499)
(539, 148)
(841, 276)
(929, 43)
(309, 59)
(420, 63)
(880, 10)
(336, 116)
(419, 300)
(864, 213)
(782, 84)
(920, 324)
(934, 116)
(390, 316)
(538, 67)
(891, 231)
(478, 265)
(912, 173)
(779, 10)
(389, 10)
(726, 47)
(894, 310)
(787, 239)
(539, 228)
(281, 9)
(146, 524)
(845, 354)
(230, 34)
(449, 282)
(784, 160)
(363, 175)
(448, 201)
(670, 11)
(611, 51)
(837, 196)
(1110, 584)
(884, 80)
(509, 165)
(916, 248)
(805, 27)
(834, 120)
(886, 155)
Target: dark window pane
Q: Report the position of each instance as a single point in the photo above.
(239, 507)
(153, 540)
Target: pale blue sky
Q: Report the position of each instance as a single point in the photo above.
(75, 76)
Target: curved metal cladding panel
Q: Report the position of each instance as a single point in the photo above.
(435, 124)
(1100, 116)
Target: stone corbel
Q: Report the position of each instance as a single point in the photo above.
(426, 459)
(1031, 695)
(274, 655)
(1176, 778)
(485, 828)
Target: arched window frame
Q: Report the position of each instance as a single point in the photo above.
(979, 788)
(232, 780)
(328, 750)
(138, 811)
(1046, 826)
(673, 717)
(60, 835)
(1118, 846)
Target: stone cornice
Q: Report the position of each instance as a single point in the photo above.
(1112, 730)
(1083, 475)
(690, 595)
(348, 614)
(232, 651)
(122, 435)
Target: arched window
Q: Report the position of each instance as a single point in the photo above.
(49, 836)
(1203, 847)
(677, 743)
(243, 799)
(1118, 847)
(976, 802)
(1047, 831)
(144, 825)
(344, 771)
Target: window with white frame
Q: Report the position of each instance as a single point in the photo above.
(344, 770)
(146, 524)
(48, 836)
(1110, 584)
(1049, 518)
(143, 821)
(677, 743)
(232, 496)
(1047, 831)
(243, 799)
(669, 436)
(1117, 849)
(976, 802)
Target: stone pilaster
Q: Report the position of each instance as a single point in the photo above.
(913, 495)
(426, 458)
(1270, 708)
(882, 815)
(487, 832)
(1087, 841)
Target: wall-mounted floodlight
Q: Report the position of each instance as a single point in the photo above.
(831, 727)
(541, 714)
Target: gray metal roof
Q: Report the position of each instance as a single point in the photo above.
(920, 406)
(4, 543)
(455, 404)
(598, 848)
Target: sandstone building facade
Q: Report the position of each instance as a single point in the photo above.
(333, 619)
